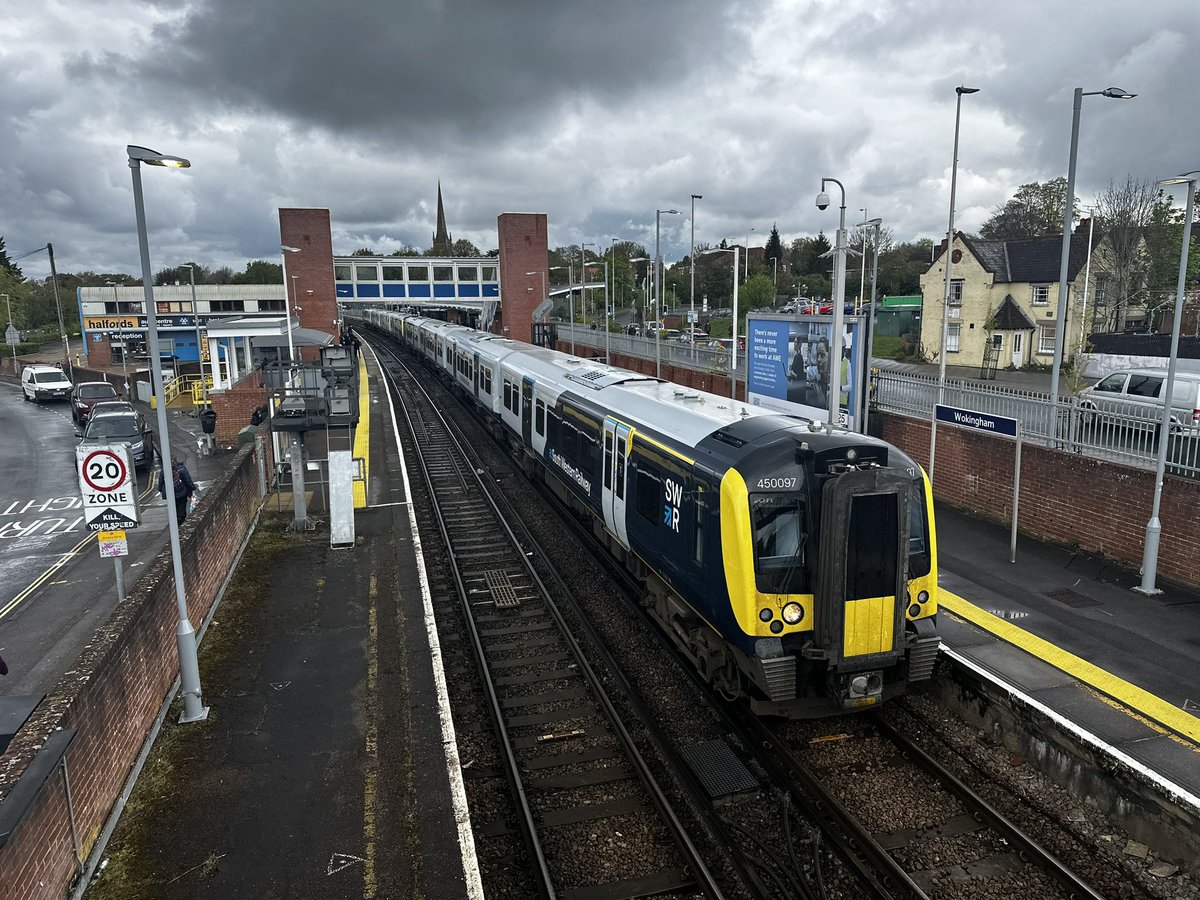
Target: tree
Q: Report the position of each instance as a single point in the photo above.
(1123, 212)
(1034, 211)
(774, 248)
(364, 251)
(7, 264)
(757, 293)
(260, 271)
(463, 247)
(407, 250)
(225, 275)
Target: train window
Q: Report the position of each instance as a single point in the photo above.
(871, 547)
(608, 457)
(649, 496)
(779, 543)
(539, 418)
(486, 380)
(918, 533)
(555, 428)
(507, 394)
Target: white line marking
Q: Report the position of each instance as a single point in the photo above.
(458, 792)
(340, 861)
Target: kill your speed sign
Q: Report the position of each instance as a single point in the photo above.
(107, 486)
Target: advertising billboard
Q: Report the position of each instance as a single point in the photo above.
(788, 365)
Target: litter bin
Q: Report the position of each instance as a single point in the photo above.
(208, 420)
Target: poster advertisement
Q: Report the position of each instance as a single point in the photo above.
(789, 361)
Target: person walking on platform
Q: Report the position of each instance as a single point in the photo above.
(183, 487)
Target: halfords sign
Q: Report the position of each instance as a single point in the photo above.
(110, 323)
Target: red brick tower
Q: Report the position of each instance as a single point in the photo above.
(523, 248)
(311, 269)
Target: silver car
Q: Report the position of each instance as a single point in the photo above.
(1136, 397)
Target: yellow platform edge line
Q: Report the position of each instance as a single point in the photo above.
(1137, 699)
(362, 434)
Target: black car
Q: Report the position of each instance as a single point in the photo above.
(123, 428)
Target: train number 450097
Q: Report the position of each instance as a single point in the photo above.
(776, 484)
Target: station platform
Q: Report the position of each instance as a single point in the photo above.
(328, 768)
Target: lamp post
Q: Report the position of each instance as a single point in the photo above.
(287, 303)
(124, 341)
(658, 214)
(864, 394)
(1154, 526)
(949, 262)
(862, 269)
(12, 325)
(199, 347)
(692, 259)
(733, 329)
(839, 301)
(1060, 321)
(746, 276)
(570, 297)
(194, 709)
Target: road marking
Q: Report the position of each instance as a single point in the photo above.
(340, 861)
(1136, 698)
(362, 434)
(41, 579)
(458, 791)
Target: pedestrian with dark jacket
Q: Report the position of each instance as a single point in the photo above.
(182, 487)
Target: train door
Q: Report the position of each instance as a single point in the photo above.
(527, 411)
(616, 448)
(861, 594)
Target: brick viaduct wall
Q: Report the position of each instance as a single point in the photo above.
(113, 692)
(1066, 498)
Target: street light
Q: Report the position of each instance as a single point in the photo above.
(1060, 322)
(864, 398)
(570, 297)
(124, 340)
(692, 258)
(839, 300)
(949, 262)
(733, 348)
(658, 214)
(194, 709)
(287, 305)
(862, 269)
(1154, 526)
(199, 346)
(13, 326)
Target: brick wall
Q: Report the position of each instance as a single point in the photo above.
(312, 267)
(234, 406)
(99, 353)
(1066, 498)
(112, 693)
(523, 248)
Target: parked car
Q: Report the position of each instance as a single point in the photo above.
(1137, 395)
(40, 383)
(122, 428)
(112, 407)
(721, 312)
(86, 395)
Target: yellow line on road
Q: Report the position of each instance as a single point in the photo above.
(362, 434)
(1138, 700)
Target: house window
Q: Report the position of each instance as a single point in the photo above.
(997, 342)
(1041, 294)
(952, 338)
(1046, 335)
(956, 291)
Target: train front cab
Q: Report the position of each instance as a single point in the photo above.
(836, 593)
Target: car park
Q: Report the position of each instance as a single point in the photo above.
(86, 395)
(1137, 396)
(40, 383)
(122, 428)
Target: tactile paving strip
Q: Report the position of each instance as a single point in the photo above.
(501, 588)
(718, 768)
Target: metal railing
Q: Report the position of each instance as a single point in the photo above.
(590, 343)
(1126, 435)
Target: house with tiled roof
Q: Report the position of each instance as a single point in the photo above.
(1003, 296)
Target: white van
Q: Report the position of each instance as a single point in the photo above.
(45, 383)
(1137, 395)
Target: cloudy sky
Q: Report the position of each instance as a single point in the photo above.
(594, 113)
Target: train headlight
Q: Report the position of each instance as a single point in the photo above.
(914, 610)
(766, 615)
(851, 454)
(923, 597)
(793, 613)
(776, 627)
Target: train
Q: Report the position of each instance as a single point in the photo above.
(794, 564)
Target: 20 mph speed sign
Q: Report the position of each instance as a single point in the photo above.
(107, 487)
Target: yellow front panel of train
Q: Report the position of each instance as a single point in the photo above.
(868, 626)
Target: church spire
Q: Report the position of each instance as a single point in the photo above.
(443, 243)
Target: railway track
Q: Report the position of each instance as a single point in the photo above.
(574, 775)
(959, 846)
